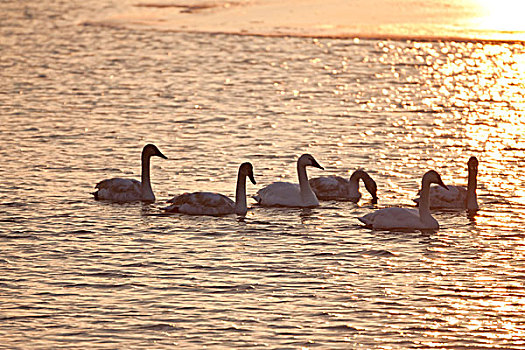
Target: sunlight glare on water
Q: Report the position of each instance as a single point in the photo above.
(504, 16)
(79, 273)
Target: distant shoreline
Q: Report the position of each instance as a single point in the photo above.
(433, 20)
(320, 36)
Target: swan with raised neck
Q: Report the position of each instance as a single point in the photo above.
(286, 194)
(130, 190)
(209, 203)
(403, 218)
(457, 196)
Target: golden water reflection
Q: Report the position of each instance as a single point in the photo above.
(478, 87)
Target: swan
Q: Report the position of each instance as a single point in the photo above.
(457, 196)
(286, 194)
(208, 203)
(337, 188)
(130, 190)
(403, 218)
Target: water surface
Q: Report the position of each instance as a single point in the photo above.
(77, 104)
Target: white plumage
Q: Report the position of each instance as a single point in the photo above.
(404, 218)
(337, 188)
(286, 194)
(130, 190)
(454, 197)
(119, 190)
(208, 203)
(201, 203)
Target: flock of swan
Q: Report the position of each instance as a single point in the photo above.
(305, 194)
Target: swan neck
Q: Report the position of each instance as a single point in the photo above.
(147, 192)
(303, 178)
(308, 197)
(424, 203)
(241, 206)
(472, 201)
(353, 183)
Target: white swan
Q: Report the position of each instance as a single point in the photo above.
(130, 190)
(208, 203)
(337, 188)
(286, 194)
(457, 196)
(403, 218)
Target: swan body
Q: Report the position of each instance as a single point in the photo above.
(457, 196)
(404, 218)
(130, 190)
(208, 203)
(337, 188)
(286, 194)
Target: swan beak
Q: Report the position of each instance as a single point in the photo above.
(252, 179)
(317, 165)
(161, 155)
(440, 183)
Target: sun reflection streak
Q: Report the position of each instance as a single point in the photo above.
(483, 84)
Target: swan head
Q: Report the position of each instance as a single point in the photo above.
(246, 169)
(308, 160)
(370, 184)
(473, 164)
(432, 177)
(152, 150)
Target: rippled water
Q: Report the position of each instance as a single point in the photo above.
(77, 104)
